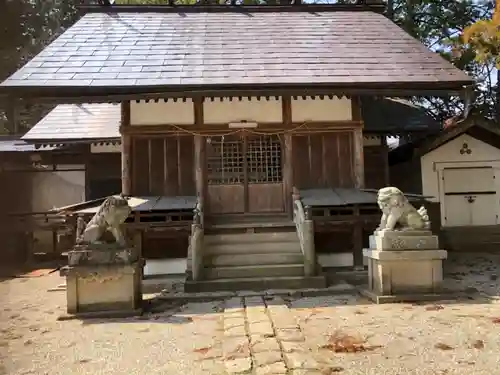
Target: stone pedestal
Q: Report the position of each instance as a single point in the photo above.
(404, 266)
(101, 279)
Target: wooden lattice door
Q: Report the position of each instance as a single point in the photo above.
(245, 174)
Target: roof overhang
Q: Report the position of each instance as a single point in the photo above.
(116, 94)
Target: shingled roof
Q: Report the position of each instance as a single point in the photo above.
(129, 53)
(70, 122)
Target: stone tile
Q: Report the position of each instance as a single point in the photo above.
(277, 368)
(235, 347)
(253, 302)
(235, 331)
(294, 346)
(263, 344)
(289, 335)
(286, 323)
(257, 317)
(263, 328)
(304, 361)
(233, 321)
(306, 372)
(238, 365)
(266, 358)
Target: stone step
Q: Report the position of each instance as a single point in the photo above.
(253, 248)
(251, 237)
(225, 260)
(262, 270)
(255, 284)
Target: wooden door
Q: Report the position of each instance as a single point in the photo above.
(244, 174)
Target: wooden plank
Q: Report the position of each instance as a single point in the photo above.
(331, 159)
(187, 185)
(226, 199)
(140, 167)
(345, 160)
(301, 170)
(156, 166)
(126, 150)
(265, 197)
(171, 167)
(316, 161)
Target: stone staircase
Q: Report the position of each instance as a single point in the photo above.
(471, 239)
(252, 254)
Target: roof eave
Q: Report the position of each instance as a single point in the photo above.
(89, 94)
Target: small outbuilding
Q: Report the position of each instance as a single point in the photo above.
(460, 169)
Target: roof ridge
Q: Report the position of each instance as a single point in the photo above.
(366, 5)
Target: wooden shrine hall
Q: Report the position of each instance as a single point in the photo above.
(262, 136)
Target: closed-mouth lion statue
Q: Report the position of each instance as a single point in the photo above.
(398, 213)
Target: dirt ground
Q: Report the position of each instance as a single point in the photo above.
(316, 335)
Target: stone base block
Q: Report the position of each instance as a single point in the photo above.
(408, 272)
(417, 297)
(102, 254)
(404, 240)
(98, 288)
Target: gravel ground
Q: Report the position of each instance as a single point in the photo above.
(341, 334)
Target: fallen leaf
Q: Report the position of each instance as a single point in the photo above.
(204, 350)
(496, 320)
(342, 343)
(434, 308)
(332, 370)
(478, 344)
(442, 346)
(359, 312)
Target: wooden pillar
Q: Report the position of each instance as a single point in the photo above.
(385, 147)
(286, 102)
(200, 176)
(357, 237)
(126, 149)
(359, 167)
(12, 116)
(359, 181)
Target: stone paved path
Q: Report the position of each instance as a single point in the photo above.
(257, 335)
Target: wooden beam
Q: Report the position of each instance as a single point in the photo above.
(324, 126)
(286, 102)
(126, 149)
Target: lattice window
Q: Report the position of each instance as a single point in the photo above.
(264, 159)
(225, 161)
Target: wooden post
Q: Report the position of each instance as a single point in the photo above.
(126, 149)
(359, 167)
(357, 239)
(200, 144)
(386, 160)
(286, 102)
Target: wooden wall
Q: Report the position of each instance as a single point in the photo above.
(323, 160)
(376, 167)
(163, 166)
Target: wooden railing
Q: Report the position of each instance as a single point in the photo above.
(196, 242)
(305, 231)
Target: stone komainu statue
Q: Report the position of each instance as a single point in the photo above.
(110, 216)
(398, 213)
